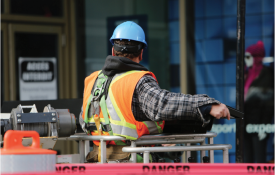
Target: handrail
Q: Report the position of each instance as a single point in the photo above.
(102, 137)
(177, 148)
(144, 140)
(163, 136)
(83, 136)
(168, 141)
(147, 150)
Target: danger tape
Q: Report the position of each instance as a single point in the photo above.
(161, 168)
(166, 168)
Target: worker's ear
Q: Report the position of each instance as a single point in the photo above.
(113, 52)
(140, 55)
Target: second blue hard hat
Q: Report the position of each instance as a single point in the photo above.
(129, 30)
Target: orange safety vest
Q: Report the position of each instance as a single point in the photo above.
(119, 106)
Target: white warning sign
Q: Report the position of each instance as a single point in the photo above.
(37, 78)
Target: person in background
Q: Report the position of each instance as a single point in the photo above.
(259, 103)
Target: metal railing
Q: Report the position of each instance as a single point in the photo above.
(84, 145)
(177, 138)
(146, 150)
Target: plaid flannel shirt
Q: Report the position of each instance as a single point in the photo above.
(150, 102)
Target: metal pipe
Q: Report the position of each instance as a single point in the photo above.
(225, 155)
(146, 156)
(89, 137)
(103, 151)
(240, 79)
(202, 152)
(188, 153)
(176, 136)
(168, 141)
(177, 148)
(211, 152)
(68, 138)
(133, 155)
(146, 137)
(86, 148)
(81, 150)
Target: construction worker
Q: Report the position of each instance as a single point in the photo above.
(126, 98)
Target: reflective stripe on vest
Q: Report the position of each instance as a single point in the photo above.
(152, 127)
(118, 123)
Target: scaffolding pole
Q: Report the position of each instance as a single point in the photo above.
(240, 80)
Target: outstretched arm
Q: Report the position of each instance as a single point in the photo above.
(159, 104)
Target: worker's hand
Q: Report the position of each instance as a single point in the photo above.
(220, 110)
(168, 144)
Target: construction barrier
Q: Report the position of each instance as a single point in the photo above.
(161, 168)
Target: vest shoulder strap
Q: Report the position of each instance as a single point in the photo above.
(88, 86)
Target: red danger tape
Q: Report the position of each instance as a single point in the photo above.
(190, 168)
(161, 168)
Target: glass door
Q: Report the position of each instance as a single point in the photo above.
(35, 44)
(4, 63)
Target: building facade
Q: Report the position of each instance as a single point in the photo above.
(191, 46)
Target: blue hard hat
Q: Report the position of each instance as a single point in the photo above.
(129, 30)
